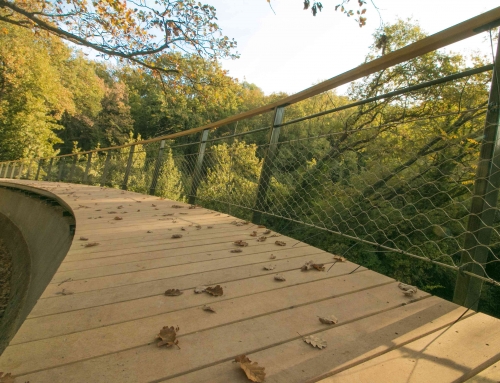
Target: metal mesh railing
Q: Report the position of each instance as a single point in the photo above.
(400, 168)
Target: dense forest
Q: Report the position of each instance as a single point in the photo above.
(396, 172)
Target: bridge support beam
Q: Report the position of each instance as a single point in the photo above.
(484, 203)
(267, 166)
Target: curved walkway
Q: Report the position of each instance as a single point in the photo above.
(98, 319)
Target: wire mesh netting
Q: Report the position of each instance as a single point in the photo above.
(391, 166)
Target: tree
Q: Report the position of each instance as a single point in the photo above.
(139, 33)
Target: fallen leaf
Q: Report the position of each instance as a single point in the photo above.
(236, 251)
(84, 239)
(261, 226)
(261, 239)
(339, 258)
(279, 277)
(280, 243)
(153, 205)
(267, 232)
(111, 212)
(7, 378)
(177, 236)
(168, 336)
(198, 227)
(149, 231)
(240, 243)
(216, 291)
(209, 227)
(318, 266)
(254, 234)
(269, 267)
(306, 266)
(118, 218)
(63, 292)
(253, 371)
(183, 229)
(200, 289)
(408, 290)
(177, 206)
(120, 207)
(173, 292)
(331, 319)
(208, 308)
(91, 244)
(315, 341)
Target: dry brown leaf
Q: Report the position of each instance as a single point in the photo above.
(208, 308)
(91, 244)
(315, 341)
(240, 243)
(84, 239)
(275, 235)
(64, 292)
(173, 292)
(267, 232)
(254, 234)
(339, 258)
(408, 290)
(269, 267)
(216, 291)
(153, 205)
(7, 378)
(253, 371)
(111, 212)
(307, 266)
(200, 289)
(198, 227)
(183, 229)
(120, 207)
(331, 319)
(280, 243)
(236, 251)
(261, 239)
(279, 278)
(177, 206)
(118, 218)
(318, 266)
(177, 236)
(168, 336)
(272, 256)
(210, 227)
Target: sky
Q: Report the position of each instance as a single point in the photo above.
(292, 50)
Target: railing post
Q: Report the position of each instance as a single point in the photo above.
(61, 167)
(157, 169)
(106, 168)
(28, 173)
(129, 166)
(20, 174)
(13, 170)
(73, 166)
(2, 170)
(38, 169)
(266, 172)
(87, 168)
(484, 202)
(198, 167)
(47, 177)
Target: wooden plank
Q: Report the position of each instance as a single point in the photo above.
(49, 352)
(65, 303)
(197, 349)
(353, 343)
(47, 326)
(448, 355)
(489, 375)
(99, 283)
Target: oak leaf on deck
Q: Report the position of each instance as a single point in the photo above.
(168, 336)
(253, 371)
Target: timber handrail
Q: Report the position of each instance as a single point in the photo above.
(431, 43)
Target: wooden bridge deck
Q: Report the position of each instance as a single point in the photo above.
(104, 328)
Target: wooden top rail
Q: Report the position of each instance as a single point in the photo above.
(438, 40)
